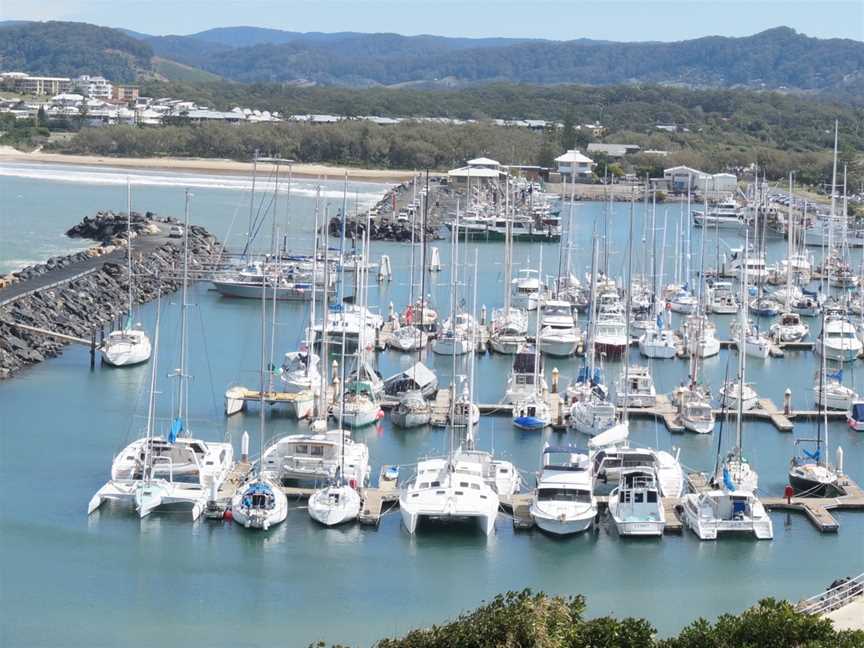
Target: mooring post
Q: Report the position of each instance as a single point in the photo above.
(787, 402)
(92, 350)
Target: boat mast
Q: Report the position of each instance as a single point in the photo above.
(508, 252)
(790, 247)
(628, 304)
(469, 435)
(742, 341)
(423, 250)
(129, 248)
(181, 374)
(151, 401)
(325, 316)
(262, 382)
(310, 334)
(537, 337)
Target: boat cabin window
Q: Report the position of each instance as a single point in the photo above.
(475, 486)
(463, 484)
(638, 498)
(435, 484)
(301, 449)
(652, 497)
(424, 485)
(316, 451)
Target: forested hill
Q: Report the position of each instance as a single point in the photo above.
(70, 49)
(779, 58)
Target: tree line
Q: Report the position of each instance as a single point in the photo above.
(527, 619)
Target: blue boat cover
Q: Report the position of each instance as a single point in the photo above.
(529, 422)
(837, 375)
(258, 488)
(812, 455)
(176, 429)
(858, 412)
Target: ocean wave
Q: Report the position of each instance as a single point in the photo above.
(367, 193)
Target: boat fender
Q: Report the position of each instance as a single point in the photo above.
(380, 415)
(228, 515)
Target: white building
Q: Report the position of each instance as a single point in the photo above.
(717, 183)
(575, 165)
(93, 86)
(680, 178)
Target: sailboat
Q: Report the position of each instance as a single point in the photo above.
(591, 412)
(319, 455)
(509, 327)
(129, 345)
(735, 469)
(810, 474)
(359, 404)
(260, 503)
(693, 399)
(790, 327)
(178, 469)
(458, 333)
(530, 409)
(412, 335)
(456, 487)
(300, 369)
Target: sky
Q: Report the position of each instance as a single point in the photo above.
(620, 20)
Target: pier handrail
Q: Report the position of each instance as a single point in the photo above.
(835, 597)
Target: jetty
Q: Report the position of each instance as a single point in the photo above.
(71, 299)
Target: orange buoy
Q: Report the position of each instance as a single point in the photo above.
(228, 515)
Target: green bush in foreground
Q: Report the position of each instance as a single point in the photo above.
(527, 619)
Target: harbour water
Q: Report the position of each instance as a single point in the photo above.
(109, 578)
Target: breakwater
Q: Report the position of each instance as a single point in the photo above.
(77, 295)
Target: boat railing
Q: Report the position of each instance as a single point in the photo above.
(164, 460)
(834, 597)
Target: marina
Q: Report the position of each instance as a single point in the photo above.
(228, 329)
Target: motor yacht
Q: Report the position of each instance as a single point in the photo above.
(564, 500)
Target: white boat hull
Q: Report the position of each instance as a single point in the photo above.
(126, 354)
(559, 347)
(563, 524)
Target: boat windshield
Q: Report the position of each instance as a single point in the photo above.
(564, 495)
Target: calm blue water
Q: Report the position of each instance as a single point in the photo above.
(111, 579)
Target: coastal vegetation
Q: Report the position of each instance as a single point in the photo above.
(523, 619)
(713, 130)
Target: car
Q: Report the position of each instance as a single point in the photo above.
(176, 231)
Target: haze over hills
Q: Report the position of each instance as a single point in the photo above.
(779, 58)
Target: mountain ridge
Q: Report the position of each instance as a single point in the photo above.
(776, 59)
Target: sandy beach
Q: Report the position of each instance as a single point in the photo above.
(209, 165)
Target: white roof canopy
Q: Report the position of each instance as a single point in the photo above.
(483, 161)
(474, 172)
(572, 156)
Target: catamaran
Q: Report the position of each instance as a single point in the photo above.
(178, 469)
